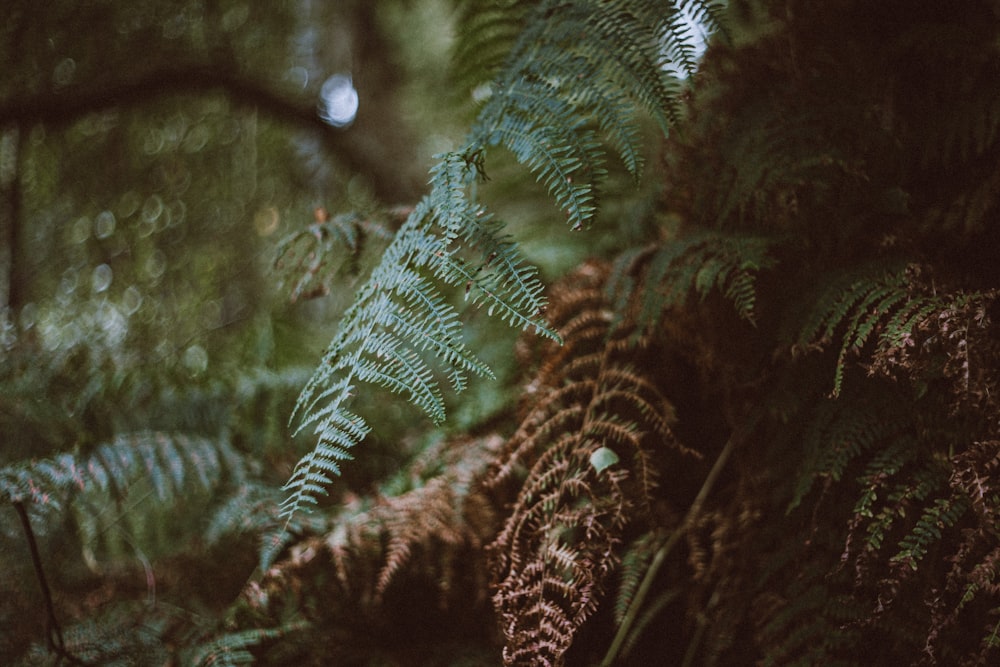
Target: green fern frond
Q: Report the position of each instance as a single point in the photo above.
(943, 514)
(485, 32)
(168, 461)
(835, 303)
(857, 305)
(232, 648)
(613, 55)
(838, 432)
(312, 258)
(910, 489)
(885, 312)
(565, 156)
(579, 64)
(697, 265)
(401, 319)
(808, 629)
(633, 568)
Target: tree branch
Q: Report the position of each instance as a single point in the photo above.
(64, 107)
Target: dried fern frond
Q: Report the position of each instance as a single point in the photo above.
(584, 452)
(422, 525)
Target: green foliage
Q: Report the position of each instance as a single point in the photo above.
(169, 462)
(613, 57)
(399, 316)
(634, 564)
(813, 308)
(232, 648)
(694, 266)
(325, 251)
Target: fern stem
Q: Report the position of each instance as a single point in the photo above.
(661, 555)
(53, 636)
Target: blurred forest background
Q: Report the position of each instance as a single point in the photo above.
(769, 436)
(153, 156)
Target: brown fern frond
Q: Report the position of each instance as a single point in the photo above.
(551, 560)
(972, 585)
(424, 532)
(949, 335)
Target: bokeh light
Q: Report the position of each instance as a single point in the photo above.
(338, 104)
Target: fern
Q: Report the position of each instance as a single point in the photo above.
(353, 575)
(695, 265)
(485, 33)
(316, 256)
(169, 461)
(854, 307)
(577, 64)
(805, 626)
(233, 648)
(559, 543)
(634, 564)
(943, 514)
(838, 432)
(400, 316)
(613, 55)
(885, 313)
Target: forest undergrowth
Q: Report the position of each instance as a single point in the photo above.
(763, 431)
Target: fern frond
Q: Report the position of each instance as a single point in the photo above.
(579, 64)
(485, 32)
(883, 506)
(838, 432)
(612, 54)
(695, 265)
(400, 317)
(316, 256)
(943, 514)
(807, 628)
(887, 312)
(232, 648)
(855, 307)
(553, 556)
(633, 567)
(169, 461)
(565, 156)
(427, 524)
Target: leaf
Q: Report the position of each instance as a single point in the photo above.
(603, 457)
